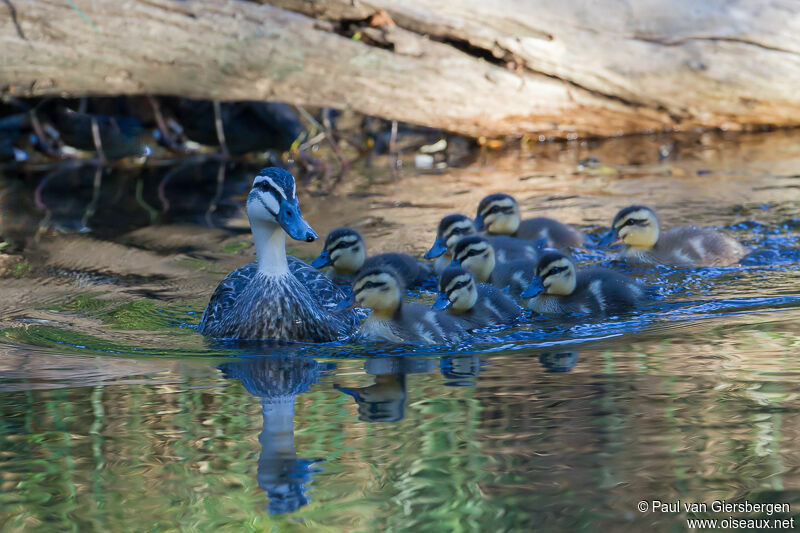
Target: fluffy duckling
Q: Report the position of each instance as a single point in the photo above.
(380, 289)
(453, 227)
(345, 251)
(558, 289)
(637, 227)
(476, 305)
(499, 214)
(477, 254)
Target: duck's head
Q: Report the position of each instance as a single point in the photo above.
(555, 275)
(475, 253)
(498, 214)
(273, 200)
(344, 249)
(451, 229)
(457, 290)
(378, 289)
(636, 226)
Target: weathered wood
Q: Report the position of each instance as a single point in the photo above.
(470, 66)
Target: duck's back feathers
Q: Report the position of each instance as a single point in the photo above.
(693, 246)
(411, 272)
(516, 275)
(511, 248)
(558, 235)
(492, 308)
(295, 306)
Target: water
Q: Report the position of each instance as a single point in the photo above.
(115, 415)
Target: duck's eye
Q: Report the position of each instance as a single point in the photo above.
(556, 270)
(494, 209)
(340, 245)
(372, 285)
(473, 252)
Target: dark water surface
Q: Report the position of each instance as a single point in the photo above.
(116, 416)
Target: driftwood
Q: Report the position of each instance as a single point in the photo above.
(477, 67)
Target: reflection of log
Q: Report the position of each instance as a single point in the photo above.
(470, 66)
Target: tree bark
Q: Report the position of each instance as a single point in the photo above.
(506, 67)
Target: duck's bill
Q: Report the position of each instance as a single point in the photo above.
(345, 305)
(534, 289)
(609, 239)
(323, 260)
(442, 302)
(438, 248)
(293, 223)
(479, 224)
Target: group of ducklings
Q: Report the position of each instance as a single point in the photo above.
(479, 275)
(482, 266)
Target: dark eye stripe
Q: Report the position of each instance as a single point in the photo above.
(342, 244)
(555, 270)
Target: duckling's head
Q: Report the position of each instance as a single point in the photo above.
(378, 289)
(273, 200)
(636, 226)
(475, 253)
(555, 275)
(344, 249)
(457, 290)
(451, 229)
(498, 214)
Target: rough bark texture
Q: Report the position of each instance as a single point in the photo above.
(583, 67)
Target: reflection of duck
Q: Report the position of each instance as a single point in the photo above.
(558, 362)
(637, 227)
(499, 215)
(345, 251)
(276, 297)
(459, 370)
(278, 381)
(384, 400)
(453, 228)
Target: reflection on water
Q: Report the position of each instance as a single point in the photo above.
(116, 415)
(278, 381)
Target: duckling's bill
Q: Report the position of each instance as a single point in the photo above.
(442, 302)
(323, 260)
(535, 288)
(345, 305)
(439, 247)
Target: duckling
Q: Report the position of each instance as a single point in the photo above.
(477, 254)
(499, 214)
(276, 297)
(637, 227)
(380, 289)
(475, 305)
(558, 289)
(453, 227)
(345, 251)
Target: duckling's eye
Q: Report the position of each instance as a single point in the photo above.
(372, 285)
(472, 253)
(556, 270)
(494, 209)
(340, 245)
(636, 222)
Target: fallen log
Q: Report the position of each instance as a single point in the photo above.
(509, 67)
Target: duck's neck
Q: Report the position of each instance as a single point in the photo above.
(270, 241)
